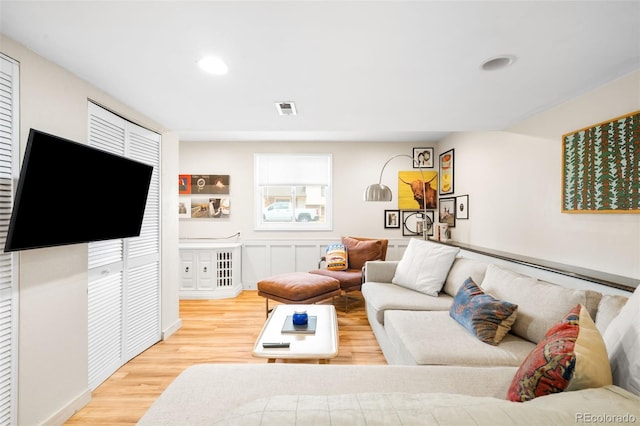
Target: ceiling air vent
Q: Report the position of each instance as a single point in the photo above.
(286, 108)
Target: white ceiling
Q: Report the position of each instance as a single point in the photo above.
(356, 70)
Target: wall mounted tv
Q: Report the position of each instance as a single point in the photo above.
(72, 193)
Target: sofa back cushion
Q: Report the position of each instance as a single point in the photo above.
(609, 307)
(622, 338)
(460, 271)
(540, 304)
(424, 266)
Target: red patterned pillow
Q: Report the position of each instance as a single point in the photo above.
(571, 356)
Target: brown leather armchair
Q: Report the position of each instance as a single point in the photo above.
(359, 251)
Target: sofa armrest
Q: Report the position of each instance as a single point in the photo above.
(381, 271)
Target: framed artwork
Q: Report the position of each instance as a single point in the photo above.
(447, 211)
(184, 208)
(392, 218)
(413, 193)
(209, 184)
(412, 222)
(184, 184)
(446, 172)
(210, 208)
(423, 157)
(462, 207)
(600, 167)
(197, 199)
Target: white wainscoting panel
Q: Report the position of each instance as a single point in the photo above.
(264, 258)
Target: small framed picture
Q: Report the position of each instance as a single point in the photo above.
(447, 211)
(412, 222)
(423, 158)
(392, 218)
(446, 172)
(462, 207)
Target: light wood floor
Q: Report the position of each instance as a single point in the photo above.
(213, 331)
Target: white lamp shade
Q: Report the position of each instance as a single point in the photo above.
(377, 192)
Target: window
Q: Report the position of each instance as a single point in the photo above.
(293, 192)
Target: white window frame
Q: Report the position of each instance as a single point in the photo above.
(289, 158)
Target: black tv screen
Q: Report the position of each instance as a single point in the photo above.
(72, 193)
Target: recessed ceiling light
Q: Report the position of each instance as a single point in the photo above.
(213, 65)
(498, 62)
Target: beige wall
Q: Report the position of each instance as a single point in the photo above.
(513, 179)
(355, 166)
(53, 379)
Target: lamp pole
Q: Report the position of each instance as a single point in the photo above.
(383, 193)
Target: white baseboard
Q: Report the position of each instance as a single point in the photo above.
(171, 329)
(72, 407)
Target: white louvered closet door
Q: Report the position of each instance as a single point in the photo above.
(9, 166)
(124, 275)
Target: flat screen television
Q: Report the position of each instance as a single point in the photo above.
(72, 193)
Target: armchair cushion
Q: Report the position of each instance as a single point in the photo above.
(360, 251)
(348, 278)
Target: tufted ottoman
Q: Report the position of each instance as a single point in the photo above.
(298, 288)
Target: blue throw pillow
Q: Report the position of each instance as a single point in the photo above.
(486, 317)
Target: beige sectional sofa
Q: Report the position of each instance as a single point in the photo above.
(451, 377)
(413, 328)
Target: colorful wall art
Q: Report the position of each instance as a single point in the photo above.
(203, 197)
(410, 190)
(600, 167)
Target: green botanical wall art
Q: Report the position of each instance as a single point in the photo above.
(600, 167)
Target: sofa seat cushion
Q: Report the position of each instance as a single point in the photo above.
(434, 338)
(384, 296)
(540, 304)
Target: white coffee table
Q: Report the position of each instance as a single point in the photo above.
(321, 345)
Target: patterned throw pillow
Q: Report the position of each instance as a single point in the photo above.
(571, 356)
(486, 317)
(336, 256)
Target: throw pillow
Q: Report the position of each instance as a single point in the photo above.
(572, 356)
(336, 257)
(486, 317)
(424, 266)
(362, 251)
(622, 338)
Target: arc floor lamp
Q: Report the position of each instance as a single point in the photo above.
(380, 192)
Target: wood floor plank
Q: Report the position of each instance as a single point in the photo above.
(213, 331)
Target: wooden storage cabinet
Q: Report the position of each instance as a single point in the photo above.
(210, 270)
